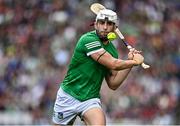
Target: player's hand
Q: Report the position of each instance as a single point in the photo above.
(138, 58)
(130, 55)
(132, 52)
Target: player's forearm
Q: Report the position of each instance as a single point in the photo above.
(123, 64)
(120, 77)
(112, 63)
(116, 78)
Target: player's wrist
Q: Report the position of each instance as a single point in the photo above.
(135, 62)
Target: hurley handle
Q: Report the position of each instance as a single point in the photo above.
(145, 66)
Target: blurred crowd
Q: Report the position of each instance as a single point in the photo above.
(37, 38)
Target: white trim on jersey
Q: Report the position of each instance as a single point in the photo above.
(93, 44)
(94, 51)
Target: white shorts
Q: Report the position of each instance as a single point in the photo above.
(67, 108)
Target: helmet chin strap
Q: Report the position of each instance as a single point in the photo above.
(102, 38)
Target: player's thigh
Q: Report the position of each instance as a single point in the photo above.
(94, 116)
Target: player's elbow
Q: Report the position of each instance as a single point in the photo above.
(114, 87)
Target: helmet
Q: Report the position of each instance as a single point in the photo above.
(109, 14)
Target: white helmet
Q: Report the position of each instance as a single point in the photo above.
(109, 14)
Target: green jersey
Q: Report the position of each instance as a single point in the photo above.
(85, 75)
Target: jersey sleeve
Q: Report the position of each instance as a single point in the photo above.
(89, 45)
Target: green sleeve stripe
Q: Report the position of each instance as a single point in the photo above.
(94, 51)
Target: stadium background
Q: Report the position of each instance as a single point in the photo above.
(37, 38)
